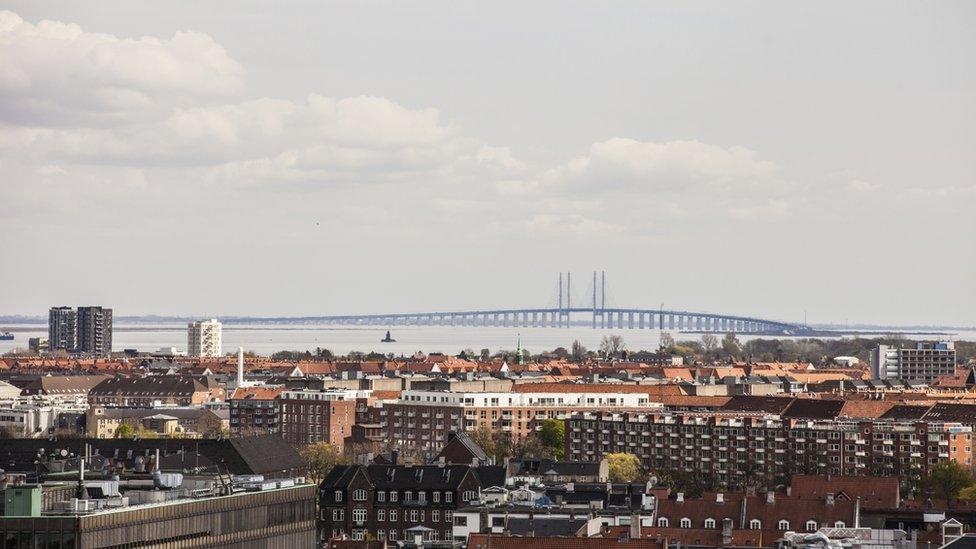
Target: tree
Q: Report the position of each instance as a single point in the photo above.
(709, 342)
(531, 447)
(320, 458)
(502, 442)
(124, 430)
(485, 355)
(578, 351)
(552, 434)
(968, 492)
(667, 342)
(560, 352)
(730, 345)
(624, 468)
(947, 479)
(482, 436)
(612, 345)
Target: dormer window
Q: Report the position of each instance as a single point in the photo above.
(662, 522)
(338, 496)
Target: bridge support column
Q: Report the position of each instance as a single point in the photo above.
(608, 323)
(640, 321)
(630, 321)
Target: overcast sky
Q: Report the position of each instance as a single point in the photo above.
(290, 158)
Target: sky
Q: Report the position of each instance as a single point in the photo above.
(774, 159)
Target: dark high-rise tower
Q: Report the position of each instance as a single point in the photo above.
(94, 330)
(62, 327)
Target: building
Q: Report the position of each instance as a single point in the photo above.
(308, 417)
(925, 363)
(62, 329)
(733, 450)
(193, 422)
(423, 420)
(38, 345)
(155, 390)
(254, 410)
(94, 330)
(382, 502)
(203, 338)
(184, 512)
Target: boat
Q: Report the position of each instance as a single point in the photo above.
(7, 336)
(387, 339)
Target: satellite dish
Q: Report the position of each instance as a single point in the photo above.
(64, 453)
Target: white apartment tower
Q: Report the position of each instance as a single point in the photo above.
(203, 338)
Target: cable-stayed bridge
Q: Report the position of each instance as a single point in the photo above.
(595, 314)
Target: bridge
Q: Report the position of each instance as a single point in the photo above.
(597, 315)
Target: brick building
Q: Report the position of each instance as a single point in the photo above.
(384, 501)
(254, 410)
(148, 391)
(308, 417)
(730, 450)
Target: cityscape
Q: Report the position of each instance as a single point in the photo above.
(458, 276)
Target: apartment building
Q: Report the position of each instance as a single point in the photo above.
(203, 339)
(423, 420)
(308, 417)
(254, 410)
(62, 328)
(155, 390)
(762, 448)
(926, 362)
(385, 502)
(94, 330)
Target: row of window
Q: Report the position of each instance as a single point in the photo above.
(754, 524)
(408, 496)
(412, 515)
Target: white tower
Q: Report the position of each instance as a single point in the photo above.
(240, 366)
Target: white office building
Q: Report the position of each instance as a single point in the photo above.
(203, 338)
(926, 362)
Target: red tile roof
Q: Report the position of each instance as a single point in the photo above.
(875, 492)
(489, 541)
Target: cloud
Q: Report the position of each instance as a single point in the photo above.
(56, 74)
(620, 164)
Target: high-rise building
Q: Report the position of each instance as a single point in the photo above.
(62, 328)
(926, 362)
(203, 338)
(94, 330)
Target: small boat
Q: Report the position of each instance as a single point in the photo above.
(7, 336)
(387, 339)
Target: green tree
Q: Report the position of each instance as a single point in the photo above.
(947, 479)
(124, 430)
(730, 345)
(483, 437)
(320, 458)
(625, 468)
(968, 492)
(552, 434)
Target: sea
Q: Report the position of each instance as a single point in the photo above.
(265, 339)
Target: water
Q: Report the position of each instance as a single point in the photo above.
(269, 338)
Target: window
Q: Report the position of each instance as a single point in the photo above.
(393, 497)
(839, 524)
(686, 522)
(422, 497)
(469, 495)
(393, 515)
(755, 524)
(413, 515)
(380, 515)
(358, 535)
(811, 526)
(338, 496)
(359, 495)
(381, 496)
(337, 514)
(359, 515)
(393, 534)
(449, 515)
(709, 523)
(408, 495)
(448, 497)
(460, 520)
(783, 525)
(435, 515)
(662, 522)
(436, 496)
(381, 534)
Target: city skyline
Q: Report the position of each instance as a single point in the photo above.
(763, 160)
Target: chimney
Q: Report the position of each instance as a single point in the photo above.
(720, 498)
(830, 498)
(680, 497)
(635, 526)
(240, 366)
(770, 497)
(394, 455)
